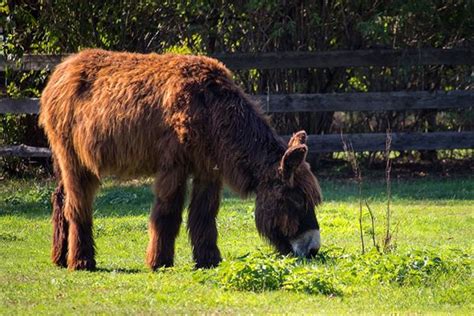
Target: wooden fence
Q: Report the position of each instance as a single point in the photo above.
(371, 101)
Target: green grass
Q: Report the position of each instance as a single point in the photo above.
(429, 271)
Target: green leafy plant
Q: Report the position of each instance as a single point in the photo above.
(256, 273)
(313, 280)
(335, 273)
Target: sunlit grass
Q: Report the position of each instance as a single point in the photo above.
(434, 217)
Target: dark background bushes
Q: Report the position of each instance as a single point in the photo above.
(208, 27)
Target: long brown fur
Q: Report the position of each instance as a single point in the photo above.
(171, 116)
(61, 227)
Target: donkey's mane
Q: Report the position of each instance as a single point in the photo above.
(245, 145)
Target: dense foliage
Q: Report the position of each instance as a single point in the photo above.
(207, 27)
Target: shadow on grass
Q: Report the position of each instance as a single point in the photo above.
(415, 189)
(118, 270)
(119, 200)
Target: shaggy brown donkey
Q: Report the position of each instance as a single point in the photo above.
(173, 117)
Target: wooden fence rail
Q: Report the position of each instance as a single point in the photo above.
(332, 143)
(25, 151)
(400, 141)
(282, 60)
(370, 101)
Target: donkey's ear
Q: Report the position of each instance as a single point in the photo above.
(291, 160)
(298, 138)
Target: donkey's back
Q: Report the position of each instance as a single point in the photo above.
(125, 113)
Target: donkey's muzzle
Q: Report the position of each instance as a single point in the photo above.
(306, 244)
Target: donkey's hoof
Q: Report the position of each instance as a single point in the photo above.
(59, 258)
(209, 260)
(82, 264)
(60, 262)
(160, 263)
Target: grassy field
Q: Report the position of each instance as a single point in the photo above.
(429, 271)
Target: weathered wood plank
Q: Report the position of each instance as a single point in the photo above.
(25, 151)
(332, 143)
(371, 101)
(400, 141)
(282, 60)
(32, 62)
(19, 106)
(357, 58)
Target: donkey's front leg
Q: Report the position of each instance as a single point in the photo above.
(165, 219)
(202, 222)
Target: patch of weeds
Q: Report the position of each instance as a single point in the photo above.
(261, 272)
(313, 280)
(12, 200)
(255, 273)
(9, 237)
(417, 267)
(335, 273)
(37, 194)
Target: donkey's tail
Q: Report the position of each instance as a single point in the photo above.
(60, 224)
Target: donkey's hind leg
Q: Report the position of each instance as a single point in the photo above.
(166, 217)
(80, 186)
(202, 222)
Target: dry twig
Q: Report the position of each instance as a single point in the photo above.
(349, 150)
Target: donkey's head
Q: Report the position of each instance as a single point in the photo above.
(285, 203)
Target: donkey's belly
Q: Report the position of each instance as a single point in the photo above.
(128, 152)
